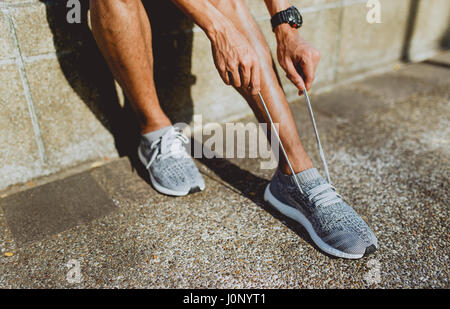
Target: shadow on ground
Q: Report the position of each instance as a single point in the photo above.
(247, 184)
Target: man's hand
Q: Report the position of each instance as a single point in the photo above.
(295, 53)
(234, 57)
(236, 60)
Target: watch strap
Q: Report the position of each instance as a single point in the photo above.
(283, 17)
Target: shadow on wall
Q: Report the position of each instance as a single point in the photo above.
(445, 40)
(89, 76)
(410, 28)
(409, 31)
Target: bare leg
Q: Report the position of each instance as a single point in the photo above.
(123, 33)
(271, 89)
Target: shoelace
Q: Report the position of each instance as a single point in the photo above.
(323, 195)
(169, 145)
(319, 145)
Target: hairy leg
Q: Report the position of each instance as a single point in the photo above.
(123, 33)
(271, 90)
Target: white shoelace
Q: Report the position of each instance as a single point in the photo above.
(316, 132)
(170, 144)
(323, 195)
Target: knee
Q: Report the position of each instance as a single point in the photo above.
(262, 49)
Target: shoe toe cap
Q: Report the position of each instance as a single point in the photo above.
(352, 244)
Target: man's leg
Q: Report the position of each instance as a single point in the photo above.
(123, 34)
(271, 89)
(332, 224)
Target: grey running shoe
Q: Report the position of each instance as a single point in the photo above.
(332, 224)
(172, 170)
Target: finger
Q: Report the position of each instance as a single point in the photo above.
(245, 73)
(256, 79)
(308, 71)
(224, 75)
(293, 75)
(236, 78)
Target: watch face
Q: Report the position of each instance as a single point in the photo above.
(295, 19)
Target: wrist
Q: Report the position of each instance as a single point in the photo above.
(215, 29)
(283, 30)
(277, 6)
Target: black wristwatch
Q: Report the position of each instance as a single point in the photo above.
(290, 16)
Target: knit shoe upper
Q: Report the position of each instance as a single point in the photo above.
(333, 220)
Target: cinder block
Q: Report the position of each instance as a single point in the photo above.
(213, 99)
(365, 46)
(431, 31)
(321, 31)
(19, 158)
(314, 3)
(259, 10)
(66, 104)
(32, 29)
(6, 43)
(20, 1)
(42, 28)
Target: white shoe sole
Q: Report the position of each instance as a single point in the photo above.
(300, 218)
(161, 189)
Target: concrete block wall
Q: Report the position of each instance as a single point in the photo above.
(60, 106)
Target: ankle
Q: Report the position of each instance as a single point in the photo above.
(152, 126)
(296, 166)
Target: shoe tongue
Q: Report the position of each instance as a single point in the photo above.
(169, 133)
(309, 179)
(172, 145)
(169, 141)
